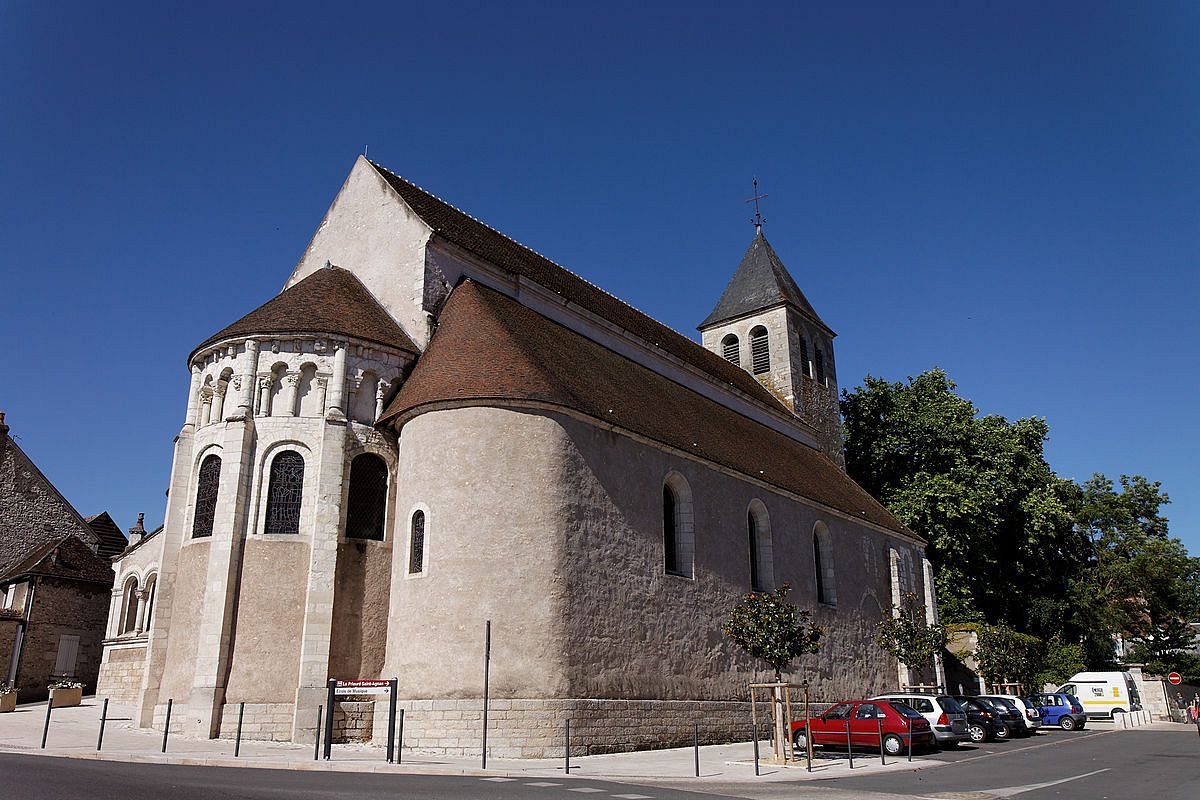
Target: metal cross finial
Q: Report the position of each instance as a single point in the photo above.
(758, 217)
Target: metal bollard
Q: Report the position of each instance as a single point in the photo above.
(849, 747)
(909, 737)
(400, 738)
(167, 724)
(317, 738)
(237, 742)
(754, 737)
(882, 753)
(46, 728)
(696, 745)
(103, 719)
(567, 748)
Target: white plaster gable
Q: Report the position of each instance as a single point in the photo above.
(371, 232)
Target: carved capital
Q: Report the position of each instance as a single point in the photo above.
(206, 394)
(291, 379)
(265, 383)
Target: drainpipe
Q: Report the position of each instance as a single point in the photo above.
(19, 639)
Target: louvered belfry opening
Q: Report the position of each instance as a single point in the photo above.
(284, 493)
(760, 351)
(731, 349)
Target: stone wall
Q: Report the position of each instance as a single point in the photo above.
(264, 722)
(354, 721)
(62, 608)
(121, 674)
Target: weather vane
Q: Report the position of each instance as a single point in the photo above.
(758, 217)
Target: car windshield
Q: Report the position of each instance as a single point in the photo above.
(951, 706)
(904, 711)
(985, 704)
(1003, 703)
(840, 711)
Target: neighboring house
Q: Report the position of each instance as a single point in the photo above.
(55, 580)
(447, 428)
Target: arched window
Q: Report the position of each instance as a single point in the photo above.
(150, 591)
(758, 528)
(760, 351)
(679, 541)
(362, 406)
(367, 504)
(823, 563)
(284, 491)
(731, 349)
(416, 544)
(129, 606)
(820, 366)
(805, 365)
(207, 484)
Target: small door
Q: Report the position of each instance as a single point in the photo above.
(68, 656)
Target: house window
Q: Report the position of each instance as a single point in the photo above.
(758, 527)
(760, 351)
(68, 656)
(416, 544)
(805, 365)
(731, 349)
(284, 491)
(207, 484)
(679, 547)
(823, 563)
(367, 504)
(820, 366)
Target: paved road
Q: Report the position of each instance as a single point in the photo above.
(43, 778)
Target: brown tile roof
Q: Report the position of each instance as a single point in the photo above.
(65, 557)
(489, 347)
(331, 300)
(112, 541)
(489, 244)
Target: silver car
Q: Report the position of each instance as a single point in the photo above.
(947, 718)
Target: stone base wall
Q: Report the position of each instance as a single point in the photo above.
(354, 721)
(263, 722)
(178, 713)
(120, 677)
(536, 728)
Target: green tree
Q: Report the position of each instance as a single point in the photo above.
(1007, 656)
(767, 626)
(907, 636)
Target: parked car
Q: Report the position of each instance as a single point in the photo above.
(984, 721)
(1061, 709)
(1031, 719)
(942, 712)
(1104, 694)
(866, 721)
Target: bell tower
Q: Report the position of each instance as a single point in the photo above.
(764, 324)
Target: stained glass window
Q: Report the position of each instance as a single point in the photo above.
(416, 546)
(207, 484)
(284, 492)
(367, 505)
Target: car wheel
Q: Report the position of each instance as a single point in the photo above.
(1068, 723)
(1003, 732)
(800, 740)
(893, 745)
(978, 733)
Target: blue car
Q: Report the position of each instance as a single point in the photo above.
(1063, 710)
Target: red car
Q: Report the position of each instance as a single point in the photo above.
(866, 719)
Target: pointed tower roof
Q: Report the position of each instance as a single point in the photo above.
(331, 300)
(760, 282)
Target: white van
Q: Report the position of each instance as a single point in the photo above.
(1104, 694)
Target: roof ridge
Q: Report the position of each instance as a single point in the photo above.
(505, 236)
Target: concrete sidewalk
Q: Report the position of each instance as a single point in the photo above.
(73, 734)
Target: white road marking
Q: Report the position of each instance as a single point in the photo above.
(1015, 790)
(543, 783)
(634, 796)
(586, 789)
(498, 780)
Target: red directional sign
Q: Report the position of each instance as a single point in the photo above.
(1174, 679)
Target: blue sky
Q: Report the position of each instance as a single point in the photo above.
(1005, 190)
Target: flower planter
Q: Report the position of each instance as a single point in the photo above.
(62, 698)
(8, 702)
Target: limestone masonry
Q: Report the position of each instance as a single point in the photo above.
(432, 426)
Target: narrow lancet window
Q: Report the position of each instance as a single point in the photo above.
(367, 504)
(207, 485)
(416, 544)
(285, 490)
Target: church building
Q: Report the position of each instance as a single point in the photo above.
(432, 426)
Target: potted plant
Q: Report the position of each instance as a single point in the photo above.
(8, 698)
(66, 692)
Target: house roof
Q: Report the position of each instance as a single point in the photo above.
(760, 282)
(112, 541)
(470, 234)
(64, 557)
(330, 300)
(489, 348)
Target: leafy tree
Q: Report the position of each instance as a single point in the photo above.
(1059, 662)
(906, 634)
(1006, 656)
(767, 626)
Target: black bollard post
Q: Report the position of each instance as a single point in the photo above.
(400, 739)
(167, 724)
(317, 739)
(696, 745)
(237, 742)
(882, 754)
(103, 719)
(567, 748)
(46, 727)
(487, 666)
(754, 738)
(909, 737)
(391, 733)
(849, 746)
(330, 695)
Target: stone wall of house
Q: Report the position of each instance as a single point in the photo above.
(62, 608)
